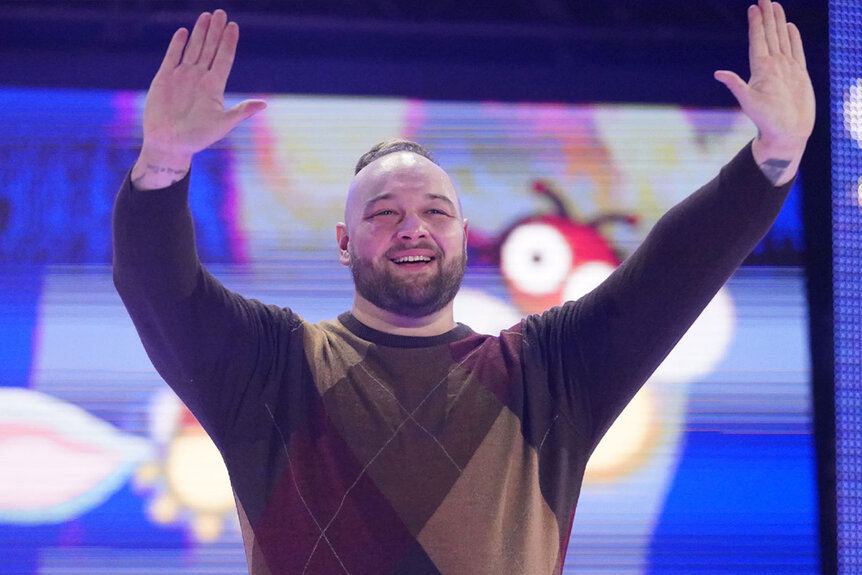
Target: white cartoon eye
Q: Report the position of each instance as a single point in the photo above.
(536, 258)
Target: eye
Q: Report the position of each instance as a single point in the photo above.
(536, 258)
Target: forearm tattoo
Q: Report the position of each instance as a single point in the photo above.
(176, 175)
(773, 169)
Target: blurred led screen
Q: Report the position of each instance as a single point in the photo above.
(710, 469)
(846, 88)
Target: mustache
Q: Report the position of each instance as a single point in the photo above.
(414, 246)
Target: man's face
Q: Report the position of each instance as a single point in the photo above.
(404, 237)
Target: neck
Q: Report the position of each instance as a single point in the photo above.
(436, 323)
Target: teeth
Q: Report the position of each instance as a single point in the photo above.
(412, 259)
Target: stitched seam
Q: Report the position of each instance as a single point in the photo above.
(301, 498)
(508, 546)
(410, 415)
(385, 444)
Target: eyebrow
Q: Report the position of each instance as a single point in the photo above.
(377, 198)
(429, 195)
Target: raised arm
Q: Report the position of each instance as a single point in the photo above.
(778, 96)
(611, 340)
(184, 111)
(209, 344)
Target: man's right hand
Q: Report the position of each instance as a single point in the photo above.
(184, 111)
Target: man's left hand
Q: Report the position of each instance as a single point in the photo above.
(778, 97)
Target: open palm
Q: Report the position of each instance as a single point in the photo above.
(184, 111)
(778, 97)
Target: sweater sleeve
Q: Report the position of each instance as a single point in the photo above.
(597, 352)
(213, 347)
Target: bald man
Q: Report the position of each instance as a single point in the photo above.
(391, 439)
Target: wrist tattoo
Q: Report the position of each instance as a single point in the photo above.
(165, 170)
(153, 169)
(773, 169)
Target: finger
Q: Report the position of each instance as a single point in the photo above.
(769, 26)
(196, 40)
(223, 60)
(781, 28)
(242, 111)
(796, 44)
(174, 51)
(735, 84)
(756, 36)
(214, 35)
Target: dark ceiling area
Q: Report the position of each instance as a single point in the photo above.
(668, 14)
(547, 50)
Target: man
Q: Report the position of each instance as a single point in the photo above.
(393, 440)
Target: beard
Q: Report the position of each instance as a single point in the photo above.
(416, 296)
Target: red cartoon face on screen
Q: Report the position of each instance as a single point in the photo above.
(551, 258)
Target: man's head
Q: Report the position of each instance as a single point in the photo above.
(403, 234)
(391, 146)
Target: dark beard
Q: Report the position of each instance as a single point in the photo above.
(408, 298)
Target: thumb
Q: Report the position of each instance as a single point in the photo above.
(243, 111)
(734, 83)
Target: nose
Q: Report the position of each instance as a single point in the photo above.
(411, 228)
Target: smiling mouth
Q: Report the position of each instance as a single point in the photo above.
(413, 260)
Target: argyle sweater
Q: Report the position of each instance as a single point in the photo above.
(356, 451)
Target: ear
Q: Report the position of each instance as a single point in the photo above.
(342, 238)
(466, 223)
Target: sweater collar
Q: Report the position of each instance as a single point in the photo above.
(360, 330)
